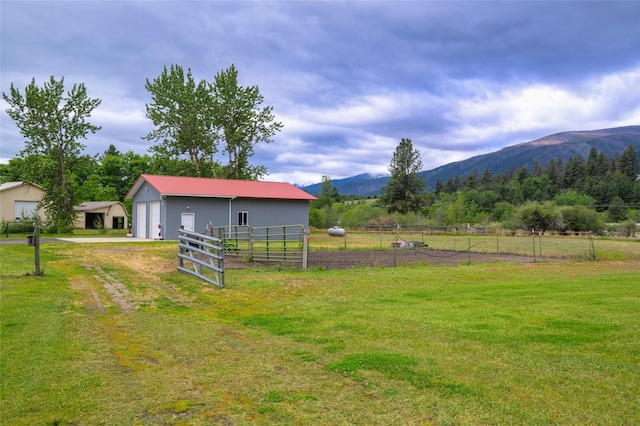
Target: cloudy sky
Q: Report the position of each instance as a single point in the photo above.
(347, 79)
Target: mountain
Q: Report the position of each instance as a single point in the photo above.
(361, 184)
(560, 145)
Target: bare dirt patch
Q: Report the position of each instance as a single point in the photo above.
(117, 291)
(146, 265)
(343, 259)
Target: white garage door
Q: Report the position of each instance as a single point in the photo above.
(24, 209)
(141, 220)
(154, 220)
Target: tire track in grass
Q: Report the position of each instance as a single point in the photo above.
(148, 270)
(90, 298)
(117, 291)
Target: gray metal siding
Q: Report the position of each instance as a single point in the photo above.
(271, 212)
(216, 211)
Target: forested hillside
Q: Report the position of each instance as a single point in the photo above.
(581, 194)
(528, 154)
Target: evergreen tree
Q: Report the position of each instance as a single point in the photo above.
(522, 174)
(604, 165)
(403, 192)
(538, 170)
(615, 162)
(592, 163)
(574, 172)
(554, 173)
(629, 163)
(439, 186)
(487, 178)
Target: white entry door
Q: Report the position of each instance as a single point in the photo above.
(141, 220)
(155, 231)
(187, 221)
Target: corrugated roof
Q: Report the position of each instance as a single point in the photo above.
(94, 205)
(220, 188)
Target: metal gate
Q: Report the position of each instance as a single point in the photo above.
(204, 254)
(278, 244)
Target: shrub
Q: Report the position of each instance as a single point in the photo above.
(540, 217)
(581, 218)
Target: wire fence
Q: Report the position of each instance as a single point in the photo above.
(579, 246)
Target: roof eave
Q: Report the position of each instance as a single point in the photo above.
(229, 197)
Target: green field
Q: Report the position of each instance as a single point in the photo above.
(113, 334)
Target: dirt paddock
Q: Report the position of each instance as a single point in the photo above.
(345, 259)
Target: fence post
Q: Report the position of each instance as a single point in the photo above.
(250, 240)
(533, 240)
(36, 244)
(469, 250)
(305, 247)
(180, 250)
(540, 245)
(284, 242)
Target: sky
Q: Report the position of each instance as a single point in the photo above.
(347, 79)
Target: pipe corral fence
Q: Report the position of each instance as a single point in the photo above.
(284, 244)
(203, 255)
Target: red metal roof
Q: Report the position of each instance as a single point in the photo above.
(222, 188)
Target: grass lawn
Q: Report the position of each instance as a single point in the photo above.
(113, 334)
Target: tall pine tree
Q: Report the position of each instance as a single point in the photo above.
(404, 191)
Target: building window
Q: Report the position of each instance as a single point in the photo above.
(243, 218)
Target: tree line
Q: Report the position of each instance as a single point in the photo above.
(581, 195)
(196, 125)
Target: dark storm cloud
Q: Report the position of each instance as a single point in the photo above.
(347, 79)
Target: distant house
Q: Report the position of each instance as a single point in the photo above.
(164, 204)
(101, 215)
(20, 199)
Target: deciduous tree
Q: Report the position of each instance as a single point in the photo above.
(181, 111)
(52, 124)
(243, 123)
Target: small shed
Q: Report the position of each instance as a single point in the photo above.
(164, 204)
(20, 199)
(101, 215)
